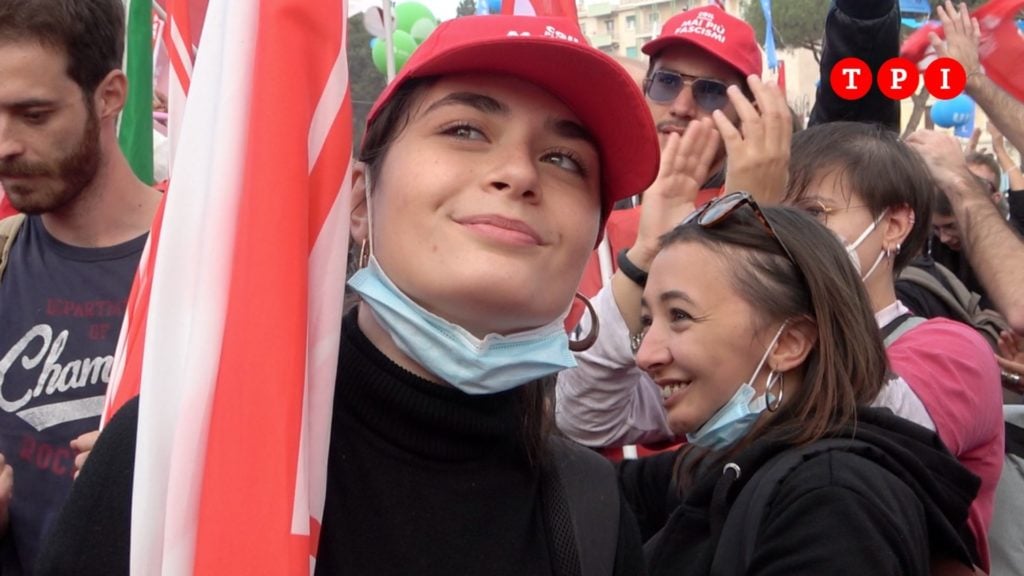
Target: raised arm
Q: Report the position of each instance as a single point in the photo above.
(962, 36)
(994, 250)
(869, 30)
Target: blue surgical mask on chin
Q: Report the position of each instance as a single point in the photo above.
(494, 364)
(734, 419)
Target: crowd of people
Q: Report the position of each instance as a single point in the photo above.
(799, 351)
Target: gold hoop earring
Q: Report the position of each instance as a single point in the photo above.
(364, 254)
(774, 377)
(595, 327)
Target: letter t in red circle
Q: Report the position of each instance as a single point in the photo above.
(850, 78)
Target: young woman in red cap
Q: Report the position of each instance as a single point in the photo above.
(487, 171)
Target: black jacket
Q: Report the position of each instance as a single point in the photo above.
(869, 30)
(422, 479)
(880, 510)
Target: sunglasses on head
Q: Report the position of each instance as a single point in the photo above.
(717, 211)
(664, 86)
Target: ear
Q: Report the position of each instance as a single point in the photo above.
(358, 215)
(795, 343)
(896, 226)
(110, 95)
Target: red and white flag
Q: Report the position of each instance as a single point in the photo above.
(1000, 48)
(181, 34)
(233, 325)
(559, 8)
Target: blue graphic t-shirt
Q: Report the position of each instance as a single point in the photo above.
(60, 316)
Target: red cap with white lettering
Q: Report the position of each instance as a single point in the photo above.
(710, 29)
(553, 54)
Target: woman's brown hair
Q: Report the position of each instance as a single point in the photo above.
(846, 366)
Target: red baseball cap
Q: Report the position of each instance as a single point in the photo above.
(709, 28)
(553, 54)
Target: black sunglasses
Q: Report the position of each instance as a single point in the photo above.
(716, 211)
(664, 86)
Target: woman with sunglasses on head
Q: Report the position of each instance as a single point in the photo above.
(767, 359)
(486, 172)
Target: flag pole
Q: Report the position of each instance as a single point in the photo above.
(389, 42)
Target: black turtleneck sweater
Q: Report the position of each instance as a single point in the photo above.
(422, 480)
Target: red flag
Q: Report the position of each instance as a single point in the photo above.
(233, 325)
(780, 78)
(6, 209)
(1001, 47)
(563, 8)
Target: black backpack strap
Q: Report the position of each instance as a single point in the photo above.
(1014, 440)
(581, 502)
(738, 539)
(899, 326)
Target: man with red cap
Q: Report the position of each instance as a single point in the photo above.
(704, 70)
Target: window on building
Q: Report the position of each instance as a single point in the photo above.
(609, 26)
(583, 28)
(631, 52)
(653, 18)
(630, 22)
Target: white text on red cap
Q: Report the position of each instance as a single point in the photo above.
(550, 32)
(703, 25)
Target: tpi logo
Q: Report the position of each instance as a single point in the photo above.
(898, 78)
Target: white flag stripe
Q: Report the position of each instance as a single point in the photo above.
(328, 107)
(327, 265)
(181, 47)
(186, 320)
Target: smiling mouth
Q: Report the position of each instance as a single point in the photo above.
(673, 389)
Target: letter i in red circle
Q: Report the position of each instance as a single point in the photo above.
(850, 78)
(945, 78)
(898, 78)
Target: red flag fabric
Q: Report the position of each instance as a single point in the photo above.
(6, 209)
(233, 325)
(1001, 47)
(561, 8)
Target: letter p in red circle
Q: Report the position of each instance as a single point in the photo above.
(898, 78)
(850, 78)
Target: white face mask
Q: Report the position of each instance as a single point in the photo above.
(851, 249)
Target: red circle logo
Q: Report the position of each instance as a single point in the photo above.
(945, 78)
(850, 78)
(898, 78)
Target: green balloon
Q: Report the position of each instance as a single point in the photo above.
(380, 54)
(405, 45)
(422, 28)
(409, 13)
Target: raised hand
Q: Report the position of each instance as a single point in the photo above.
(757, 149)
(685, 164)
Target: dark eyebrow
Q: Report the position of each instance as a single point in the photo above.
(33, 103)
(572, 130)
(473, 100)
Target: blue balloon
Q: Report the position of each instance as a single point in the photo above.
(494, 6)
(953, 112)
